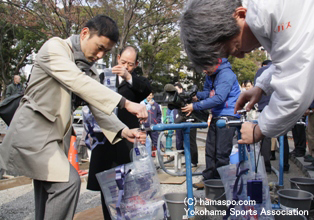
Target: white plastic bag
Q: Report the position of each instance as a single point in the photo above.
(141, 196)
(228, 176)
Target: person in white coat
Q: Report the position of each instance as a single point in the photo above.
(218, 28)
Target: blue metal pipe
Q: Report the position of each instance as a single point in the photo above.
(169, 140)
(186, 129)
(188, 170)
(279, 172)
(275, 206)
(281, 155)
(241, 148)
(162, 127)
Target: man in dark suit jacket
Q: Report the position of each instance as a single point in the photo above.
(134, 88)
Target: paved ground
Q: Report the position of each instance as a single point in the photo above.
(17, 203)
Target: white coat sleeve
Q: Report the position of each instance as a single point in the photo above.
(263, 81)
(288, 37)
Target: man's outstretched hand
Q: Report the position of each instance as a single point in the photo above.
(252, 96)
(131, 134)
(136, 109)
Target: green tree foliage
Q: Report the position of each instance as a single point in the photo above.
(144, 23)
(163, 61)
(195, 79)
(26, 25)
(148, 24)
(16, 44)
(245, 68)
(151, 25)
(56, 17)
(156, 35)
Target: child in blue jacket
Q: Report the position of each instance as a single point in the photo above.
(221, 91)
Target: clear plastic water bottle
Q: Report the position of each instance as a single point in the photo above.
(139, 149)
(110, 82)
(142, 160)
(110, 79)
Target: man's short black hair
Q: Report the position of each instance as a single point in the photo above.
(128, 47)
(266, 62)
(103, 25)
(247, 81)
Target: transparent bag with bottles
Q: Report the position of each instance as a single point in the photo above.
(132, 191)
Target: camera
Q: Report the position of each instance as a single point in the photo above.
(176, 100)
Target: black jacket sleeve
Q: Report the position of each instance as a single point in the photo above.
(141, 87)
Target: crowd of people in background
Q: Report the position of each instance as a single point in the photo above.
(64, 71)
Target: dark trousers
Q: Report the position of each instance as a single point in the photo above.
(104, 207)
(179, 139)
(154, 137)
(266, 152)
(193, 144)
(57, 200)
(299, 138)
(104, 157)
(218, 148)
